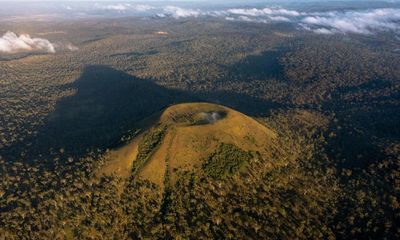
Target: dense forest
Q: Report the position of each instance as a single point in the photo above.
(333, 100)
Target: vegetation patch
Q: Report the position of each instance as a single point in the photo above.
(226, 161)
(147, 146)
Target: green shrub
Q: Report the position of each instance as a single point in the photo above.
(147, 146)
(226, 161)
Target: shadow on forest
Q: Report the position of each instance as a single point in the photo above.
(256, 67)
(108, 104)
(362, 124)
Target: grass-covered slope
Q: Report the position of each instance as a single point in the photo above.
(193, 136)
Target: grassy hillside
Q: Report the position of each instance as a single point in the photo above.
(187, 137)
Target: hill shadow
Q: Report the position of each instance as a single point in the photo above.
(107, 105)
(256, 67)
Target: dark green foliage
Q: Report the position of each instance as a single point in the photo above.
(147, 146)
(227, 160)
(370, 205)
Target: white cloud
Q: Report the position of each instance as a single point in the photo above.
(264, 15)
(115, 7)
(245, 18)
(178, 12)
(361, 22)
(263, 12)
(72, 47)
(330, 22)
(285, 12)
(216, 13)
(323, 31)
(279, 19)
(161, 33)
(11, 43)
(247, 12)
(142, 8)
(123, 7)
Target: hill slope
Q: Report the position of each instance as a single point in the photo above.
(192, 136)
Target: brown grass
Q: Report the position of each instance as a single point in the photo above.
(119, 161)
